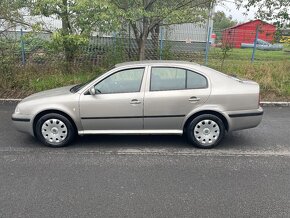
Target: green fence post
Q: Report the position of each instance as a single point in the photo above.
(22, 48)
(207, 46)
(161, 43)
(129, 43)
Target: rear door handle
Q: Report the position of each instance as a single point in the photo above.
(135, 101)
(193, 99)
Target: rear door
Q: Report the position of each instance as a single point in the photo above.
(173, 92)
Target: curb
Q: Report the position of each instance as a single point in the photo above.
(10, 99)
(275, 104)
(263, 103)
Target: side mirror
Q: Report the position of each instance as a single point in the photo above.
(92, 91)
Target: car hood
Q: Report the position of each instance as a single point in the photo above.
(49, 93)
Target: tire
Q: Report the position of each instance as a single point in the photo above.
(54, 130)
(205, 131)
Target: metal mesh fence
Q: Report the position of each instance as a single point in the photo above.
(34, 49)
(29, 48)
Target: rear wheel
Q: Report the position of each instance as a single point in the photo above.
(54, 130)
(205, 131)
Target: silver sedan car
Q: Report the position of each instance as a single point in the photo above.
(148, 97)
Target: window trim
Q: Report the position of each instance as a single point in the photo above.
(186, 72)
(186, 77)
(134, 68)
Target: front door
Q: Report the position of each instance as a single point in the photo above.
(118, 104)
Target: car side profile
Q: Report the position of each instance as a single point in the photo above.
(146, 97)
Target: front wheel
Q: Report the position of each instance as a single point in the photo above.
(205, 131)
(54, 130)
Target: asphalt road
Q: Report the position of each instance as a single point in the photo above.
(248, 175)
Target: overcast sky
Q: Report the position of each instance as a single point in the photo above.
(230, 9)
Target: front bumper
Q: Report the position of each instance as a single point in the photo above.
(245, 119)
(23, 123)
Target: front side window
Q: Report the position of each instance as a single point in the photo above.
(124, 81)
(170, 78)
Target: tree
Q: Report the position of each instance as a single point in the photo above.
(272, 10)
(221, 21)
(10, 14)
(145, 16)
(79, 18)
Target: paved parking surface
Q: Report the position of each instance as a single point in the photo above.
(147, 176)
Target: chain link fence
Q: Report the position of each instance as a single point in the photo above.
(34, 49)
(26, 48)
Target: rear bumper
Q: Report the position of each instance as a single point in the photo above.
(245, 119)
(23, 123)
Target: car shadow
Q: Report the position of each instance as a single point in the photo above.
(132, 141)
(232, 140)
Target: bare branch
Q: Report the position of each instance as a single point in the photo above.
(150, 4)
(135, 30)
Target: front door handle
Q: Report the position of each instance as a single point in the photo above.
(193, 99)
(135, 101)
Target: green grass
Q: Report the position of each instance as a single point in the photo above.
(57, 80)
(26, 80)
(246, 54)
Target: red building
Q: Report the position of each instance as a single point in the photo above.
(246, 33)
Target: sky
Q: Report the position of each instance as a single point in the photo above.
(230, 9)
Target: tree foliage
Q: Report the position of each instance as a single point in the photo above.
(221, 21)
(79, 18)
(10, 14)
(145, 16)
(270, 10)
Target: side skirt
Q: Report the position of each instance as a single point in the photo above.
(132, 132)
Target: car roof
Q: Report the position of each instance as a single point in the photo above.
(155, 62)
(172, 63)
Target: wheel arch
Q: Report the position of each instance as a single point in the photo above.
(212, 112)
(42, 113)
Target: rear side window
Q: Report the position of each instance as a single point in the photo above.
(170, 78)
